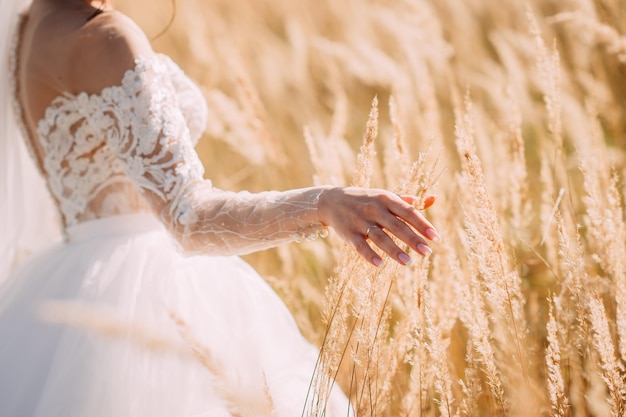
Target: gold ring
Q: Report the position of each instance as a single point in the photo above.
(369, 229)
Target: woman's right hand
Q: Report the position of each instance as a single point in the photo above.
(360, 215)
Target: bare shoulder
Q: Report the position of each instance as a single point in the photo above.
(102, 51)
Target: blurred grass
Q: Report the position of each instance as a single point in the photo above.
(547, 85)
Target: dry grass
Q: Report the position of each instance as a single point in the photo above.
(512, 112)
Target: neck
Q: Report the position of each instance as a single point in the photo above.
(71, 4)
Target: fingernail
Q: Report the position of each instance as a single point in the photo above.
(404, 258)
(432, 235)
(377, 261)
(424, 250)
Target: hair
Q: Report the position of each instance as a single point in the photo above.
(169, 23)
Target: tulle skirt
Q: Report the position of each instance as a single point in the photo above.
(141, 330)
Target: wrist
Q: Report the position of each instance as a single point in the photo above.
(324, 202)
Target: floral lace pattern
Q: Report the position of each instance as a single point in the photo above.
(86, 176)
(130, 149)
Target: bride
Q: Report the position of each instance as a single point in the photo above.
(110, 126)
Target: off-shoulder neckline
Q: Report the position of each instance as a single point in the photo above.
(140, 62)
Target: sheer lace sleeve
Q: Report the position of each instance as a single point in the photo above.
(190, 100)
(145, 128)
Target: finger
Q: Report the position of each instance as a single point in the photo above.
(403, 232)
(411, 199)
(413, 217)
(429, 201)
(363, 248)
(387, 245)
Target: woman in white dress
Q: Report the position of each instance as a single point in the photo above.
(111, 127)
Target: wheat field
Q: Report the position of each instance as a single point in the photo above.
(513, 113)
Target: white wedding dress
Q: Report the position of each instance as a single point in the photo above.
(148, 242)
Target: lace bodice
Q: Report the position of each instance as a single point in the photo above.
(87, 179)
(130, 149)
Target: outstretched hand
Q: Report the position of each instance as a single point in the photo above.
(362, 215)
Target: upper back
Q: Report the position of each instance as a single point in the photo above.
(61, 57)
(64, 51)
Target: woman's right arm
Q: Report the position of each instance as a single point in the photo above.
(146, 129)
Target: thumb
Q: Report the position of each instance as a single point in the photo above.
(429, 200)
